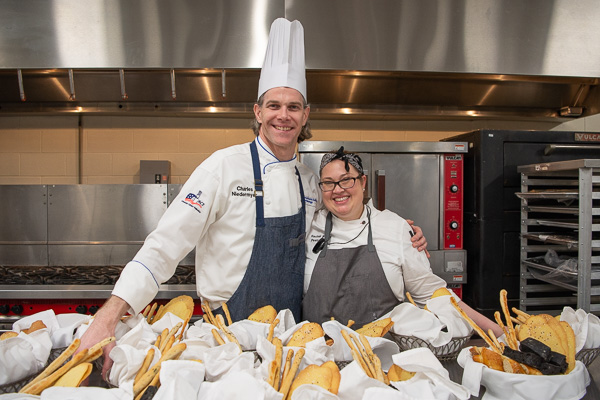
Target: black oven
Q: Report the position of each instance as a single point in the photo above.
(492, 210)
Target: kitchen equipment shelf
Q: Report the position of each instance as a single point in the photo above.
(560, 236)
(552, 238)
(549, 194)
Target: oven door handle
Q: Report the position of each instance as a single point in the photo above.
(380, 177)
(552, 147)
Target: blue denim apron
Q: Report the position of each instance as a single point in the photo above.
(275, 272)
(348, 284)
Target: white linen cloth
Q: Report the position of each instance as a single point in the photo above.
(180, 380)
(195, 349)
(428, 325)
(61, 327)
(139, 331)
(238, 385)
(131, 349)
(449, 316)
(312, 392)
(168, 321)
(354, 382)
(84, 393)
(202, 331)
(586, 327)
(67, 326)
(220, 360)
(413, 321)
(127, 360)
(382, 347)
(24, 355)
(18, 396)
(431, 376)
(506, 386)
(47, 317)
(374, 393)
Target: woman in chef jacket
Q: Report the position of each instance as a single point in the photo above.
(360, 261)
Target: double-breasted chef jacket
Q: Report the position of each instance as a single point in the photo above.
(215, 213)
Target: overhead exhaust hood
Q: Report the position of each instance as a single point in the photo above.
(443, 59)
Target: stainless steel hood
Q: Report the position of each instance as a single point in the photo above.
(395, 59)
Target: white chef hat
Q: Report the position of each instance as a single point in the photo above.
(284, 60)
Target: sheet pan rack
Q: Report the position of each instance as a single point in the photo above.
(560, 236)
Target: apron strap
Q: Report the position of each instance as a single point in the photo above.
(258, 186)
(297, 241)
(329, 226)
(370, 245)
(301, 190)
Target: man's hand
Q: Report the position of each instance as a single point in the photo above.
(418, 239)
(103, 326)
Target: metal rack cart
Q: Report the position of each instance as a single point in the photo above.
(560, 236)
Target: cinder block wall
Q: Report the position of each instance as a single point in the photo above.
(108, 149)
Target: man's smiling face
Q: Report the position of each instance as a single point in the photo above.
(282, 117)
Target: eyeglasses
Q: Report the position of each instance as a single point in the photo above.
(345, 183)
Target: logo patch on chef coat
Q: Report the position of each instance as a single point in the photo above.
(193, 200)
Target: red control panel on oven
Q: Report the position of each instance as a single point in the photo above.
(453, 201)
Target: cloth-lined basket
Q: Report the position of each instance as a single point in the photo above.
(446, 352)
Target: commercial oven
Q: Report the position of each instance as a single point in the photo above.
(62, 247)
(422, 181)
(492, 222)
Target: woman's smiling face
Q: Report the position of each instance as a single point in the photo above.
(346, 204)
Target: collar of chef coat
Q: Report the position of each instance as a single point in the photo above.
(344, 231)
(268, 159)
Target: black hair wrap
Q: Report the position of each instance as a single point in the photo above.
(348, 158)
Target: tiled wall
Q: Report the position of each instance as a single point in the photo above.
(104, 149)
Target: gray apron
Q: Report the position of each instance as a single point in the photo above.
(348, 284)
(275, 272)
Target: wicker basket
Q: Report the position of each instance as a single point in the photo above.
(446, 352)
(54, 353)
(342, 364)
(14, 387)
(587, 356)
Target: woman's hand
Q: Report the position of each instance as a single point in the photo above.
(418, 239)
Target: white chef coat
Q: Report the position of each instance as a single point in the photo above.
(215, 212)
(406, 269)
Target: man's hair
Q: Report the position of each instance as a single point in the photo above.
(305, 133)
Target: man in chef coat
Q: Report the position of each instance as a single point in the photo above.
(245, 209)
